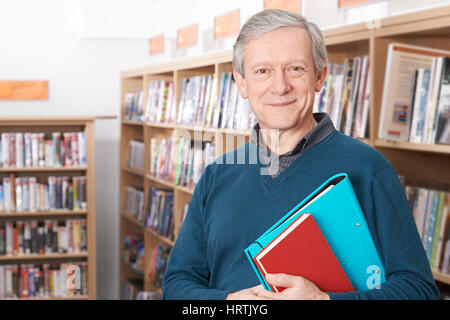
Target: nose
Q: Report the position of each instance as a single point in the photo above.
(280, 84)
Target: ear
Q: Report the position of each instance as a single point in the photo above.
(240, 82)
(320, 80)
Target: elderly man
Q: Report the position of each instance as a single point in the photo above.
(279, 63)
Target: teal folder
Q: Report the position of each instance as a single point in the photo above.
(339, 216)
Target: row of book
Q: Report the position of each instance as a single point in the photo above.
(134, 291)
(18, 238)
(26, 194)
(160, 105)
(134, 105)
(32, 281)
(199, 105)
(345, 96)
(33, 150)
(134, 253)
(431, 213)
(181, 161)
(159, 264)
(136, 155)
(416, 95)
(160, 212)
(134, 202)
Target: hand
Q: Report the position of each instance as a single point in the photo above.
(297, 288)
(253, 293)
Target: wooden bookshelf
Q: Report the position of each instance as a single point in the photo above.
(49, 125)
(417, 161)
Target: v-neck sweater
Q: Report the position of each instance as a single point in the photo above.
(234, 202)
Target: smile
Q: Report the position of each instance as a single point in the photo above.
(282, 104)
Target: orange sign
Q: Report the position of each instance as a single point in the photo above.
(157, 45)
(23, 90)
(187, 36)
(227, 25)
(349, 3)
(291, 5)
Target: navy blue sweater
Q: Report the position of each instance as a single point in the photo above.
(233, 204)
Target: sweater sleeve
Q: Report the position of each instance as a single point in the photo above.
(187, 273)
(408, 273)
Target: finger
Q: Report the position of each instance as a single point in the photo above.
(269, 294)
(282, 280)
(256, 289)
(255, 297)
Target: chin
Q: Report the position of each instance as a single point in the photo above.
(281, 124)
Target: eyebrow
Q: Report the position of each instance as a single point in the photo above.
(262, 63)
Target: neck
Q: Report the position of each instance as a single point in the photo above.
(282, 141)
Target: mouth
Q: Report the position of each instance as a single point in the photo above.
(282, 104)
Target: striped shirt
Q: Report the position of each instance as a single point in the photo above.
(278, 163)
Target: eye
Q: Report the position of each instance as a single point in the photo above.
(261, 71)
(296, 70)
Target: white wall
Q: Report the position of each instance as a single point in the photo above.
(81, 46)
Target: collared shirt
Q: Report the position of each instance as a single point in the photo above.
(278, 163)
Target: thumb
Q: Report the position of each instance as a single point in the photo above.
(281, 280)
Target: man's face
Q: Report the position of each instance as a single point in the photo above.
(279, 78)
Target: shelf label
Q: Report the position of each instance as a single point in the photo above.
(187, 36)
(23, 90)
(156, 45)
(227, 25)
(349, 3)
(291, 5)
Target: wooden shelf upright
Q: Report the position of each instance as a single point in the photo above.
(48, 125)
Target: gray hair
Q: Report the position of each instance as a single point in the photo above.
(271, 19)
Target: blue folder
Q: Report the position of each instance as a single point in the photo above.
(339, 216)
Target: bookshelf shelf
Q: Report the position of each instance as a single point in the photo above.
(416, 161)
(160, 237)
(132, 219)
(170, 184)
(136, 172)
(161, 181)
(133, 123)
(198, 128)
(49, 125)
(152, 233)
(60, 169)
(45, 257)
(52, 298)
(441, 277)
(13, 215)
(436, 148)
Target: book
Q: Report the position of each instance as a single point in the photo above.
(396, 109)
(432, 99)
(136, 155)
(346, 232)
(42, 281)
(431, 213)
(133, 253)
(442, 130)
(419, 106)
(31, 195)
(32, 150)
(302, 250)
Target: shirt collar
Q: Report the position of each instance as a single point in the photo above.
(323, 128)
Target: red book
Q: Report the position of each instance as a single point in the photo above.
(302, 250)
